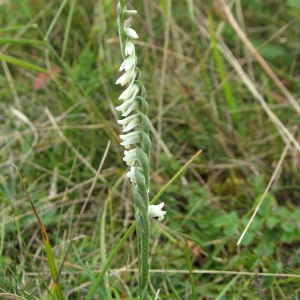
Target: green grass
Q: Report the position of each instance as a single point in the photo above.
(60, 62)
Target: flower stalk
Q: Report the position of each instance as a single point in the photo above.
(135, 139)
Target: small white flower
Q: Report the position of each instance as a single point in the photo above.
(127, 107)
(129, 122)
(131, 33)
(130, 138)
(130, 157)
(130, 92)
(130, 174)
(126, 77)
(155, 211)
(129, 48)
(128, 63)
(129, 13)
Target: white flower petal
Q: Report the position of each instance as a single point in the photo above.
(126, 77)
(122, 67)
(155, 211)
(130, 174)
(129, 122)
(132, 107)
(130, 138)
(129, 48)
(127, 107)
(130, 92)
(131, 33)
(130, 157)
(134, 123)
(128, 63)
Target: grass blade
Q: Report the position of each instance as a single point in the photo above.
(67, 31)
(102, 247)
(49, 289)
(22, 63)
(55, 285)
(227, 287)
(55, 19)
(190, 268)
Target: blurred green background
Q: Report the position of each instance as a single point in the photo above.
(59, 65)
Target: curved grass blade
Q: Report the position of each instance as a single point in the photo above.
(55, 285)
(227, 287)
(22, 63)
(49, 290)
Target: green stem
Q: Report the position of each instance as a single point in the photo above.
(144, 266)
(121, 21)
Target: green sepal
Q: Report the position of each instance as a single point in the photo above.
(142, 104)
(139, 221)
(138, 199)
(144, 122)
(141, 182)
(145, 142)
(143, 161)
(138, 75)
(142, 91)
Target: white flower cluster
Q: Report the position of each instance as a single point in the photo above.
(129, 101)
(131, 124)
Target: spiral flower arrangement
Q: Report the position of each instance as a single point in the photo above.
(136, 140)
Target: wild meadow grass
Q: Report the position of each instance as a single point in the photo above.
(219, 78)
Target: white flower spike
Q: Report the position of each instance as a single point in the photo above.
(136, 141)
(155, 211)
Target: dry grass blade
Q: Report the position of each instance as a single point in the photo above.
(52, 120)
(230, 18)
(283, 131)
(278, 166)
(25, 120)
(172, 271)
(85, 204)
(163, 75)
(55, 286)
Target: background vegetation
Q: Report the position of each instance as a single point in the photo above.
(60, 61)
